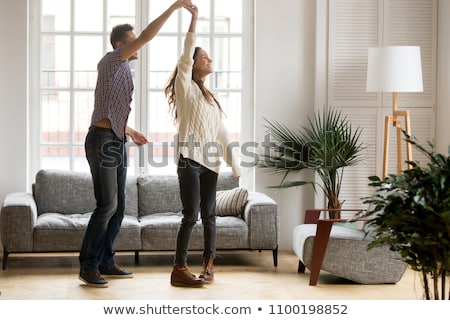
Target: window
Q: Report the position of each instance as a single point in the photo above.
(69, 39)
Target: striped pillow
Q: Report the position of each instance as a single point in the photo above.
(231, 202)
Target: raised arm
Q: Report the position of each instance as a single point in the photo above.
(152, 29)
(194, 12)
(184, 73)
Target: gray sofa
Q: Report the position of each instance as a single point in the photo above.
(54, 216)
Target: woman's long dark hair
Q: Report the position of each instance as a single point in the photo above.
(169, 90)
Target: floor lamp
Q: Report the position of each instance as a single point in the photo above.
(395, 69)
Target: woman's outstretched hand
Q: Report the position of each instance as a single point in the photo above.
(193, 9)
(194, 12)
(183, 3)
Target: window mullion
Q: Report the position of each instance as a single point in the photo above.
(72, 87)
(211, 40)
(141, 79)
(105, 26)
(141, 91)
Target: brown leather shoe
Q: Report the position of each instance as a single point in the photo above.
(207, 273)
(182, 277)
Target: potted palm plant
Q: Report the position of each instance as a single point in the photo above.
(411, 213)
(326, 146)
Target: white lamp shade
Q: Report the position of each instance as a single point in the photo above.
(394, 69)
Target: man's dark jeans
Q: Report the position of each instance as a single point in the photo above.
(198, 193)
(107, 159)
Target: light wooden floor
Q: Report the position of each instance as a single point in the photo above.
(239, 275)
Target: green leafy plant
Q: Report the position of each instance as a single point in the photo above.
(326, 146)
(411, 213)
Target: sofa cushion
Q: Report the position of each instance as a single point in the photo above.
(231, 233)
(159, 232)
(64, 192)
(304, 231)
(161, 193)
(68, 230)
(131, 197)
(70, 192)
(51, 221)
(231, 202)
(158, 194)
(227, 181)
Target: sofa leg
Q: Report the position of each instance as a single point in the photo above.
(5, 257)
(275, 256)
(136, 257)
(301, 267)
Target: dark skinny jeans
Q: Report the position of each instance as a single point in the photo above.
(198, 194)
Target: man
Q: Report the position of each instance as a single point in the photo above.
(105, 148)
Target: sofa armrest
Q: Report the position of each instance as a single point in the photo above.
(261, 215)
(17, 220)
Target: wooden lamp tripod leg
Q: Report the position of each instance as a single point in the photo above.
(387, 122)
(393, 119)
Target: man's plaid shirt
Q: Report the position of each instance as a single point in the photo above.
(114, 91)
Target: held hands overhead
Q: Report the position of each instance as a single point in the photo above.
(182, 4)
(185, 3)
(189, 6)
(136, 136)
(193, 9)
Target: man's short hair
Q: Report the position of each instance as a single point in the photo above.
(119, 33)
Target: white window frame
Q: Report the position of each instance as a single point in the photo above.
(140, 112)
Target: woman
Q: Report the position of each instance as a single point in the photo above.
(201, 139)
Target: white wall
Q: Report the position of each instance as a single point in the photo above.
(284, 90)
(13, 97)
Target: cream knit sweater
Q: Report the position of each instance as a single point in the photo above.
(202, 136)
